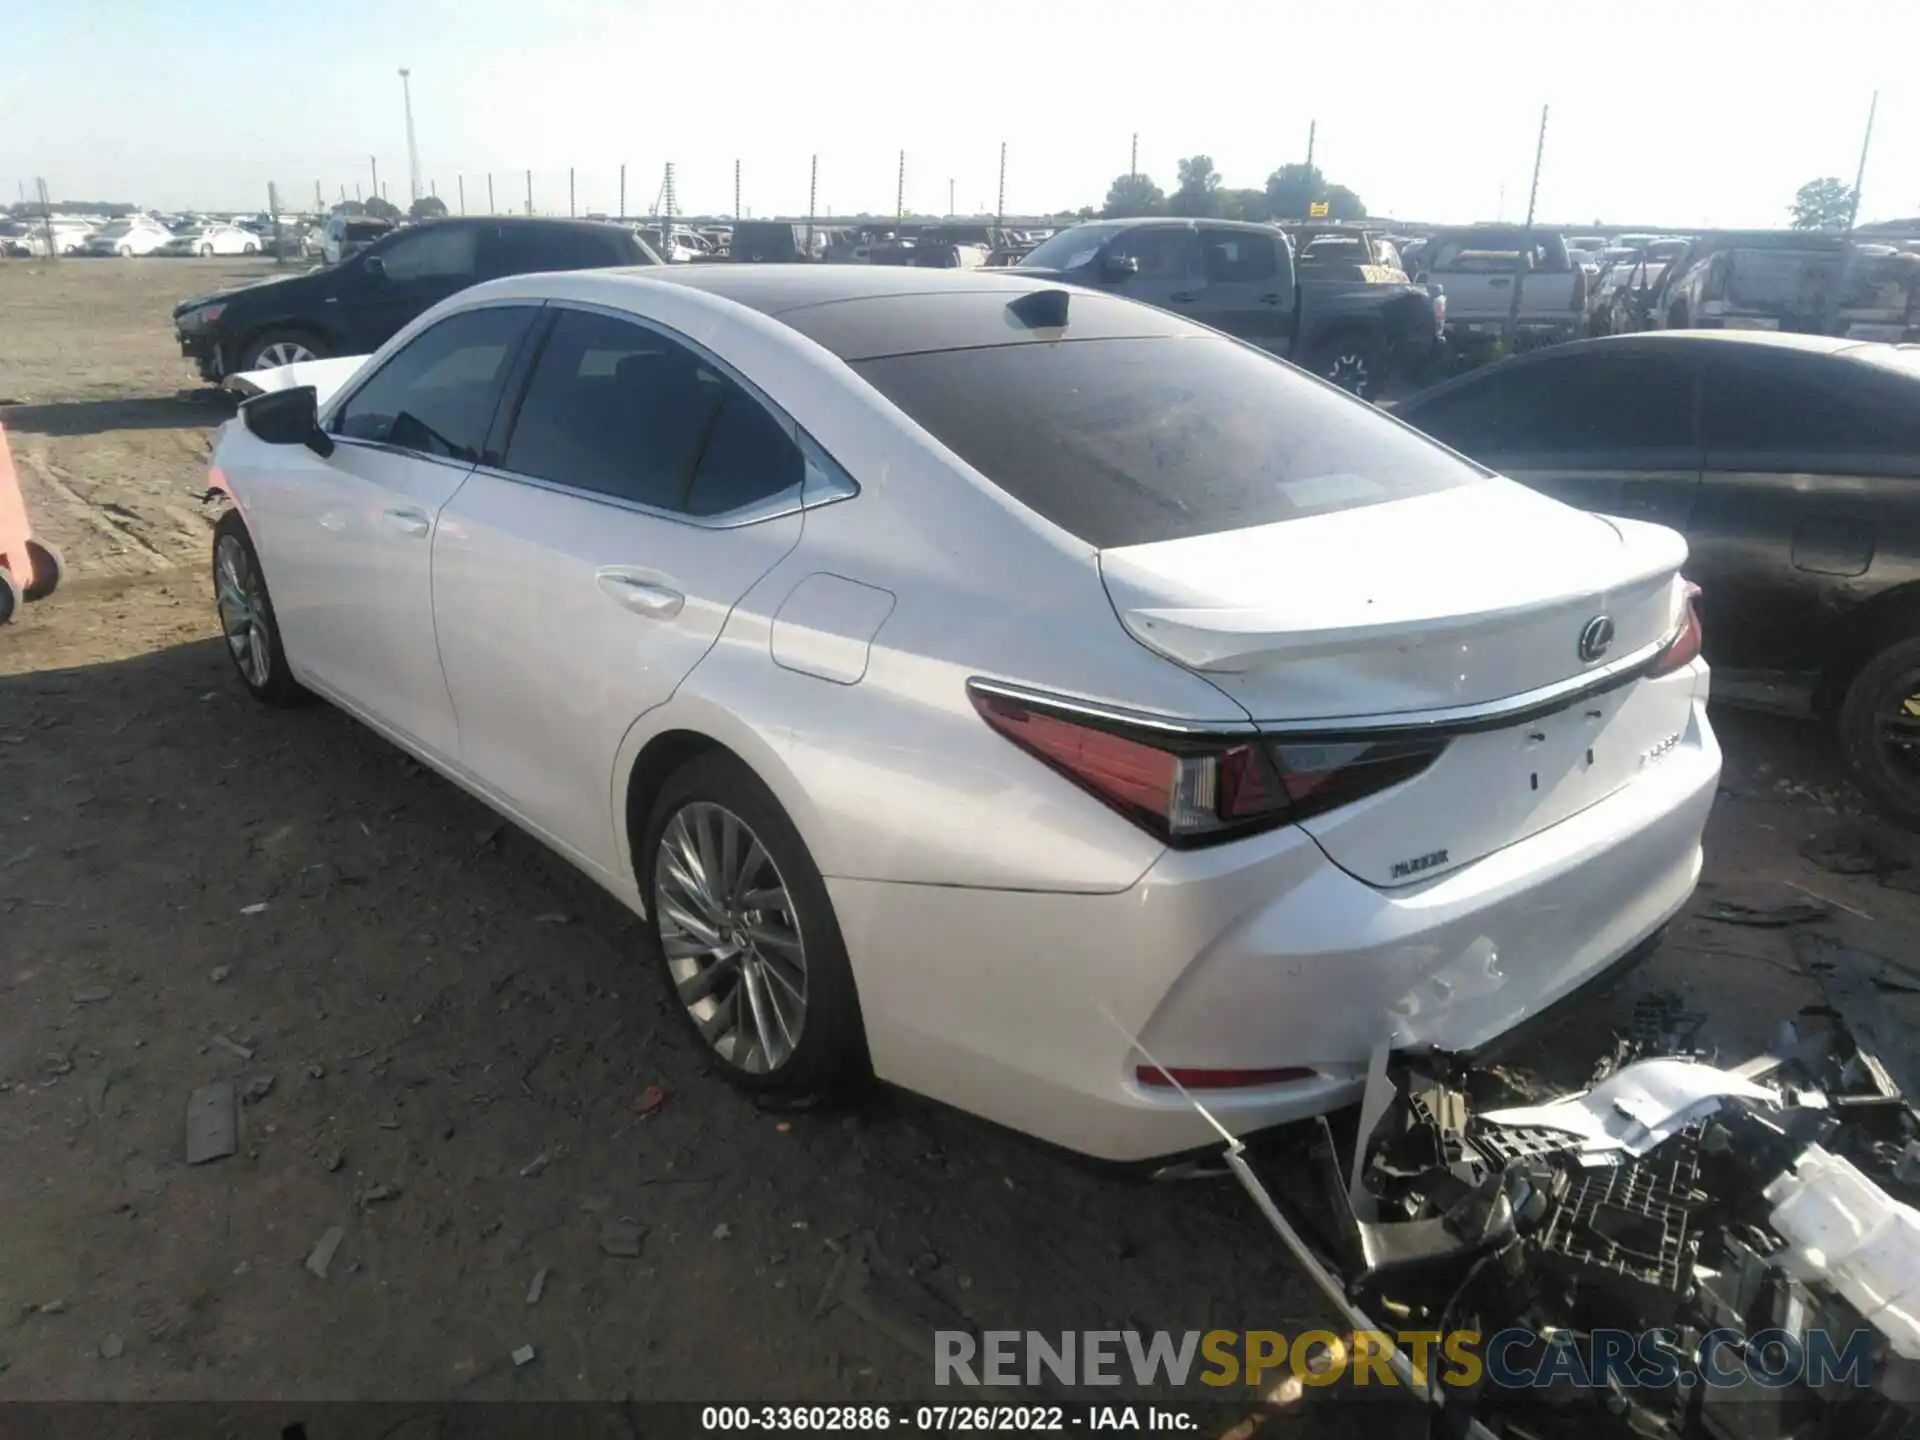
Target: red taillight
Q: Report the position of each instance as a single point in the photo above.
(1685, 647)
(1220, 1079)
(1195, 789)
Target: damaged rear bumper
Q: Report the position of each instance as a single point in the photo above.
(1024, 1007)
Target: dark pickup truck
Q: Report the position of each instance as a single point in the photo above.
(1241, 278)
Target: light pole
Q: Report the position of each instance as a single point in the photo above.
(413, 150)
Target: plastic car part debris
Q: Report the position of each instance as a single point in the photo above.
(1843, 1229)
(1628, 1229)
(1787, 912)
(213, 1125)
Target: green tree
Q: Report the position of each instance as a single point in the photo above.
(1198, 190)
(1293, 190)
(383, 209)
(1133, 195)
(348, 207)
(1343, 204)
(427, 207)
(1823, 204)
(1243, 205)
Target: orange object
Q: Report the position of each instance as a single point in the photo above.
(32, 566)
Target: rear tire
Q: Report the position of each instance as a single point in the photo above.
(49, 567)
(747, 938)
(1879, 726)
(1354, 362)
(249, 628)
(12, 598)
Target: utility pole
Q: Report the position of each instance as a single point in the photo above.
(375, 166)
(1525, 258)
(461, 180)
(813, 198)
(413, 150)
(736, 189)
(900, 190)
(1860, 175)
(319, 202)
(1313, 127)
(623, 191)
(1133, 162)
(46, 217)
(529, 192)
(1000, 202)
(570, 209)
(490, 209)
(950, 198)
(273, 213)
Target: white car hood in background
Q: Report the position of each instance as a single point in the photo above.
(1463, 596)
(327, 377)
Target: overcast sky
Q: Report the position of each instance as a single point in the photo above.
(1676, 112)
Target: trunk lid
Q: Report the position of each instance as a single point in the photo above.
(1422, 615)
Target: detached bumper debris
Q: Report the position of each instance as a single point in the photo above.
(1748, 1234)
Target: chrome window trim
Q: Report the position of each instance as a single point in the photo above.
(832, 485)
(1456, 719)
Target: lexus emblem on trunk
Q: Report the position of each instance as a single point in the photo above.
(1596, 638)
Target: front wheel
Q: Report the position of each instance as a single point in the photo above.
(246, 616)
(280, 347)
(206, 251)
(250, 249)
(48, 568)
(126, 252)
(12, 598)
(1880, 731)
(747, 935)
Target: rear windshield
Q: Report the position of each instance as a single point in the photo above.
(1496, 251)
(1125, 442)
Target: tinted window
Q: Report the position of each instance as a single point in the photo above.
(1123, 442)
(616, 408)
(1799, 403)
(437, 395)
(1071, 249)
(433, 252)
(1238, 255)
(1593, 403)
(520, 249)
(1165, 252)
(749, 456)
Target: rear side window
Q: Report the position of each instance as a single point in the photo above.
(1799, 404)
(437, 395)
(1643, 402)
(1126, 442)
(522, 249)
(1237, 255)
(749, 456)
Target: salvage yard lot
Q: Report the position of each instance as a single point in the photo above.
(452, 1037)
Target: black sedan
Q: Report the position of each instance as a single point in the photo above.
(354, 307)
(1792, 465)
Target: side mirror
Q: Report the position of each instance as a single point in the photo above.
(288, 417)
(1118, 267)
(375, 267)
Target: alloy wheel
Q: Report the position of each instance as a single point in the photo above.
(284, 352)
(243, 612)
(1899, 728)
(1350, 371)
(730, 931)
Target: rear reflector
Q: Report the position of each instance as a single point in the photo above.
(1685, 647)
(1221, 1079)
(1197, 789)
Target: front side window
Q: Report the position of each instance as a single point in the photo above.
(1126, 442)
(433, 252)
(437, 394)
(1165, 252)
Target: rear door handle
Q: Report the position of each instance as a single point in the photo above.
(643, 597)
(409, 522)
(1184, 297)
(1269, 299)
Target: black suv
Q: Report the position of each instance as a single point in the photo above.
(354, 307)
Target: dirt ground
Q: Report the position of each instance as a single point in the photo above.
(448, 1038)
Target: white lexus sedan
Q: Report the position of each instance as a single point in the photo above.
(215, 237)
(1028, 697)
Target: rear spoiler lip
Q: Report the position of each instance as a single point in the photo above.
(1450, 720)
